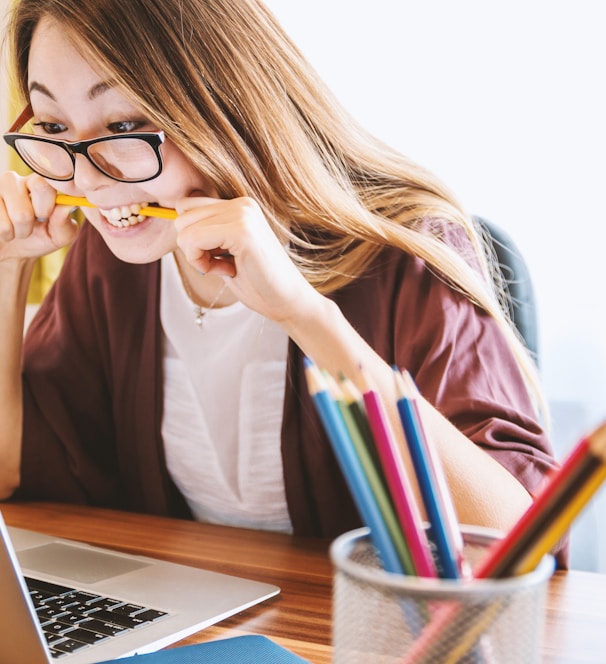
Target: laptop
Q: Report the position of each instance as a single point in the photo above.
(97, 605)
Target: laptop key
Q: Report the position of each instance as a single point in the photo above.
(86, 636)
(47, 586)
(56, 628)
(71, 618)
(104, 603)
(117, 619)
(46, 613)
(55, 654)
(52, 638)
(59, 602)
(127, 609)
(103, 627)
(151, 615)
(84, 597)
(69, 645)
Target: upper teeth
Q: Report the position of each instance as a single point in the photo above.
(126, 215)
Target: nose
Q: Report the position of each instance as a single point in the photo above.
(86, 176)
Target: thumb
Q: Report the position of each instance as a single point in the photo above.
(62, 228)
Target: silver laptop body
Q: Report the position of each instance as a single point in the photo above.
(192, 598)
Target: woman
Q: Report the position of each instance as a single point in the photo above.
(297, 234)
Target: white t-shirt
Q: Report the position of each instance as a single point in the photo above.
(223, 401)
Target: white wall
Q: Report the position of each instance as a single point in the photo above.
(506, 102)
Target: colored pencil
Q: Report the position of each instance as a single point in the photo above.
(506, 554)
(351, 467)
(374, 479)
(149, 211)
(397, 479)
(434, 491)
(355, 403)
(562, 523)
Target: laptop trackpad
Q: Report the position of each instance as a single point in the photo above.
(75, 563)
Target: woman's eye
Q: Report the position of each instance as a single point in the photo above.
(125, 127)
(51, 127)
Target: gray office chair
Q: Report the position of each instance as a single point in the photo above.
(517, 282)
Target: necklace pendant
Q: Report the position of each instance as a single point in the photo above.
(198, 316)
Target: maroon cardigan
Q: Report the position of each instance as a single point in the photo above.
(93, 388)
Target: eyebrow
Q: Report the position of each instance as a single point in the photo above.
(93, 93)
(38, 87)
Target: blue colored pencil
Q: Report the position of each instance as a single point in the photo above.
(432, 492)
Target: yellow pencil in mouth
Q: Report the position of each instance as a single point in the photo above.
(148, 211)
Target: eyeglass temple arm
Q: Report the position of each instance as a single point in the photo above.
(26, 114)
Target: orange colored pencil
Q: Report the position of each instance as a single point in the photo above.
(149, 211)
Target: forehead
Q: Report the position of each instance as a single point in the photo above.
(54, 58)
(59, 74)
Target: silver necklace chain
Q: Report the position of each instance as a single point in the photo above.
(200, 311)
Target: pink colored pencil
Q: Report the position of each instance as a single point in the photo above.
(397, 479)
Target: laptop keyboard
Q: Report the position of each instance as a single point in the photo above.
(73, 619)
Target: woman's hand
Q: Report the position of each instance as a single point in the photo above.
(31, 225)
(232, 238)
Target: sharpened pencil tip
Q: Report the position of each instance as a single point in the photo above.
(597, 442)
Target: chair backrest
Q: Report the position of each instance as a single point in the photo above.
(517, 282)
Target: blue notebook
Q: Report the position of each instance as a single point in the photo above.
(236, 650)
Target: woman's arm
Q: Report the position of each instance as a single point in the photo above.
(30, 226)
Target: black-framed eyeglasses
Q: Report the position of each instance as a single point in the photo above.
(133, 157)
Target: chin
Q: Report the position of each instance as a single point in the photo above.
(136, 255)
(144, 243)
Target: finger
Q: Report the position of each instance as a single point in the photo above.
(197, 210)
(42, 197)
(62, 228)
(26, 200)
(195, 201)
(220, 264)
(7, 231)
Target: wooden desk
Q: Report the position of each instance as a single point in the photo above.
(300, 617)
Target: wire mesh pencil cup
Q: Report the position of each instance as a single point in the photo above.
(383, 618)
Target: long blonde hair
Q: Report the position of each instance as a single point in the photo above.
(228, 86)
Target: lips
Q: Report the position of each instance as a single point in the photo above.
(125, 215)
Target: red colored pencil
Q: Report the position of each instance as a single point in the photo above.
(502, 557)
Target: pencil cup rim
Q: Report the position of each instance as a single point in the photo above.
(343, 546)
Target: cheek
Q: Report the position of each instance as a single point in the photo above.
(179, 178)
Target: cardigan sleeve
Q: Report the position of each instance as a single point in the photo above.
(92, 387)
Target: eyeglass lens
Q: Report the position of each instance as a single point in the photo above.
(124, 159)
